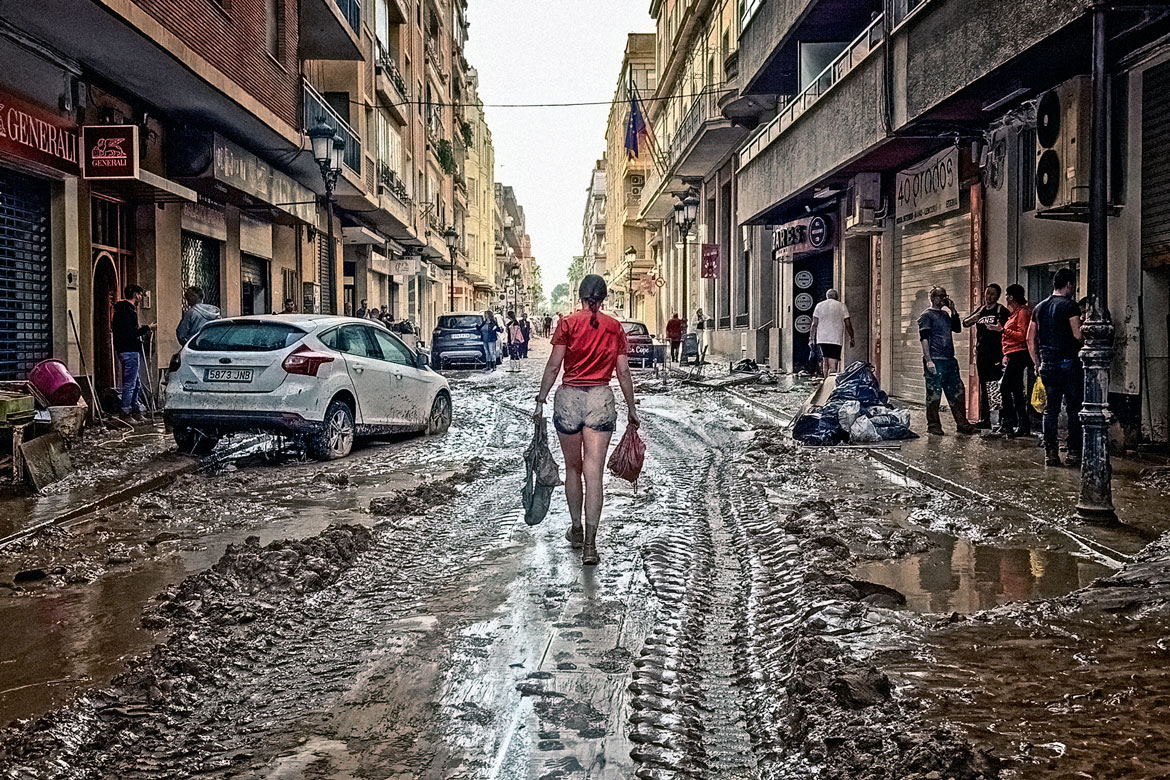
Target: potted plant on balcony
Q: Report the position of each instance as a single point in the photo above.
(446, 157)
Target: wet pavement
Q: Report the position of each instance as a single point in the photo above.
(762, 610)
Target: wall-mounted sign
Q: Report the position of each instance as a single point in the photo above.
(810, 234)
(803, 279)
(36, 134)
(928, 189)
(803, 323)
(243, 170)
(709, 268)
(404, 266)
(109, 152)
(804, 301)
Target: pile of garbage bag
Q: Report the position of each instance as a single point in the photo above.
(857, 412)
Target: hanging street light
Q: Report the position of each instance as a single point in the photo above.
(631, 256)
(452, 237)
(328, 152)
(686, 211)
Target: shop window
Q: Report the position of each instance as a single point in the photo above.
(200, 266)
(1040, 277)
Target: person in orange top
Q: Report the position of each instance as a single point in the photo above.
(1017, 364)
(591, 347)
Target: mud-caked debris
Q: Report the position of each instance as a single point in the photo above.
(417, 500)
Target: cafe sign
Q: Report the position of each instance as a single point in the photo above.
(929, 189)
(109, 152)
(810, 234)
(32, 133)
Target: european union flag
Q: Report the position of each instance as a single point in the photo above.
(635, 128)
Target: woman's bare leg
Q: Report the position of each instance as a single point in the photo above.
(593, 469)
(571, 448)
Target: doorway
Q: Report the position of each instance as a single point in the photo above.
(105, 293)
(812, 276)
(112, 239)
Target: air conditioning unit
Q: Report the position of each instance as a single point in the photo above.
(1063, 132)
(637, 180)
(863, 199)
(635, 190)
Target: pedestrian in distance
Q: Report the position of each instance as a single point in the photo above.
(290, 307)
(1017, 363)
(830, 323)
(700, 328)
(515, 334)
(526, 329)
(1054, 342)
(591, 347)
(547, 325)
(374, 314)
(674, 334)
(988, 319)
(363, 311)
(195, 316)
(940, 368)
(128, 335)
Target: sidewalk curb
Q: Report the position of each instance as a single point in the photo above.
(126, 492)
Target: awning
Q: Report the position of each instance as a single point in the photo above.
(147, 187)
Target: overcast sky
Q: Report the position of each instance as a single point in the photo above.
(550, 51)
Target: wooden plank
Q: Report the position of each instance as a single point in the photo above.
(45, 460)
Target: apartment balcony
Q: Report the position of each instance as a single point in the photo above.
(434, 126)
(315, 108)
(391, 86)
(331, 30)
(434, 60)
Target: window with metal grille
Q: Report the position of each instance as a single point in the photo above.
(254, 287)
(201, 266)
(25, 325)
(290, 287)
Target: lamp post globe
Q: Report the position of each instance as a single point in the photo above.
(321, 140)
(451, 236)
(338, 155)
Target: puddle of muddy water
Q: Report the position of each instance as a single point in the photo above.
(958, 575)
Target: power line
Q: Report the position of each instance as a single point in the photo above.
(714, 90)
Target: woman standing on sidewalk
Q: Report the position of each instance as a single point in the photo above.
(1017, 364)
(591, 346)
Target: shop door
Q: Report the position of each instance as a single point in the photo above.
(255, 295)
(938, 254)
(112, 245)
(812, 276)
(25, 327)
(201, 266)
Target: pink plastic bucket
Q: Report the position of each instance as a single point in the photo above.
(53, 380)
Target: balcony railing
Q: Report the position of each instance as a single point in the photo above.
(388, 181)
(352, 11)
(434, 116)
(316, 108)
(431, 51)
(390, 68)
(846, 61)
(703, 109)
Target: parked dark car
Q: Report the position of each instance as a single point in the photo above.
(458, 341)
(642, 344)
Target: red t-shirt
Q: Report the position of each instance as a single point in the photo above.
(590, 353)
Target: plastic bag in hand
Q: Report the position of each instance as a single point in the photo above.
(542, 475)
(626, 460)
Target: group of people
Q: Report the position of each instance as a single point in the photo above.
(516, 333)
(676, 332)
(1013, 344)
(383, 316)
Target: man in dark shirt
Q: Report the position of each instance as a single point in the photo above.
(988, 320)
(128, 344)
(1054, 341)
(940, 368)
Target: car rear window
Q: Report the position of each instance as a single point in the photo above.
(460, 321)
(635, 329)
(245, 337)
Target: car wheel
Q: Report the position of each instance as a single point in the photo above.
(194, 442)
(335, 440)
(440, 418)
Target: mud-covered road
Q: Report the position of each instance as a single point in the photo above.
(760, 611)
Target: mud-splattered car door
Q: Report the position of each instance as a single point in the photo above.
(413, 387)
(371, 376)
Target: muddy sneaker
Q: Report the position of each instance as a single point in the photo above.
(575, 537)
(589, 556)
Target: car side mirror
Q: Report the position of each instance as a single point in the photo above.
(423, 360)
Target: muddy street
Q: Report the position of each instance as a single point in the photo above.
(760, 611)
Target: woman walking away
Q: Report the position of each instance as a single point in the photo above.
(515, 341)
(591, 346)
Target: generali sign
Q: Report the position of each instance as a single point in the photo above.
(929, 189)
(109, 152)
(32, 133)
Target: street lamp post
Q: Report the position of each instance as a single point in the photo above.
(1096, 502)
(686, 211)
(328, 151)
(631, 256)
(452, 237)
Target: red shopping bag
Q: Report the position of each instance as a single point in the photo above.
(626, 460)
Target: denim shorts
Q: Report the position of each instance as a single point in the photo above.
(575, 408)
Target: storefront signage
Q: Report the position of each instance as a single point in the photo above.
(810, 234)
(929, 189)
(109, 152)
(243, 170)
(38, 135)
(404, 266)
(710, 264)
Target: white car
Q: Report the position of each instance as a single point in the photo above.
(323, 379)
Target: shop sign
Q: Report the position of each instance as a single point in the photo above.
(929, 189)
(404, 266)
(109, 152)
(37, 135)
(710, 264)
(810, 234)
(247, 173)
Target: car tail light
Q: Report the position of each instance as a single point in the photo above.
(175, 364)
(305, 361)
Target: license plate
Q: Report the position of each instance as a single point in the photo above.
(227, 375)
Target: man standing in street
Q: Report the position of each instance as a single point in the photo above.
(940, 368)
(363, 311)
(988, 320)
(700, 327)
(830, 323)
(547, 325)
(489, 331)
(196, 315)
(674, 334)
(526, 329)
(290, 307)
(1054, 341)
(128, 344)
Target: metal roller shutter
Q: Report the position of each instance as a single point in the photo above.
(1156, 166)
(937, 255)
(25, 299)
(325, 274)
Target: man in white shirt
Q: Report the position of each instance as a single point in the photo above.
(830, 323)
